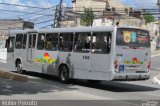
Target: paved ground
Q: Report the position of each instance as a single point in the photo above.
(155, 61)
(43, 87)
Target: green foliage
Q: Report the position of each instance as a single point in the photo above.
(87, 17)
(158, 22)
(148, 17)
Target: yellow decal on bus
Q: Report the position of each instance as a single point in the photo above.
(127, 36)
(45, 59)
(132, 61)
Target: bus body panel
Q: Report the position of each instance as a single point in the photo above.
(132, 62)
(133, 54)
(100, 66)
(80, 65)
(10, 52)
(45, 61)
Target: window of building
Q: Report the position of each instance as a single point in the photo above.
(101, 42)
(51, 42)
(82, 42)
(19, 38)
(66, 42)
(41, 41)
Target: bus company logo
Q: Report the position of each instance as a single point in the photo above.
(127, 36)
(132, 61)
(45, 59)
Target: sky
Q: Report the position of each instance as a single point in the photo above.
(41, 14)
(141, 3)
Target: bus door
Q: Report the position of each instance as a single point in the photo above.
(10, 48)
(31, 46)
(81, 56)
(100, 57)
(7, 56)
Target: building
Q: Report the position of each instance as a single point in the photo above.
(105, 8)
(7, 24)
(98, 5)
(107, 12)
(158, 3)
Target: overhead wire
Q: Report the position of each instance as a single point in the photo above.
(24, 12)
(45, 26)
(31, 13)
(24, 5)
(120, 12)
(44, 21)
(36, 12)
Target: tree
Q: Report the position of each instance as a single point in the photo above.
(158, 22)
(87, 17)
(148, 17)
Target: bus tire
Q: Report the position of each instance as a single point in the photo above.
(19, 67)
(64, 74)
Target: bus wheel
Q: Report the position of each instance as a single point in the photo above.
(19, 67)
(64, 74)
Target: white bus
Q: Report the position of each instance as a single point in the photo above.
(91, 53)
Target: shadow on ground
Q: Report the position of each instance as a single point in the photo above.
(42, 83)
(117, 86)
(113, 86)
(11, 87)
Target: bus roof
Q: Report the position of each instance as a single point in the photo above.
(133, 27)
(71, 29)
(78, 29)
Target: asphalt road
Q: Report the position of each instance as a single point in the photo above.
(155, 63)
(78, 92)
(44, 87)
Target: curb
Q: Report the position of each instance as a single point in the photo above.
(156, 80)
(13, 76)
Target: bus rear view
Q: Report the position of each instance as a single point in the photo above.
(133, 54)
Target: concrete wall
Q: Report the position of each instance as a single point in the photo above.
(98, 5)
(6, 25)
(95, 5)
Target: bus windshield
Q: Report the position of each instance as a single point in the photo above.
(132, 37)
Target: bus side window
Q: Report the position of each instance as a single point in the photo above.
(19, 38)
(101, 42)
(51, 42)
(82, 42)
(41, 41)
(24, 41)
(66, 42)
(32, 40)
(10, 44)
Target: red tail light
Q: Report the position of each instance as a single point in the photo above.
(116, 66)
(149, 65)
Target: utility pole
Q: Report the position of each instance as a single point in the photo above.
(58, 15)
(158, 4)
